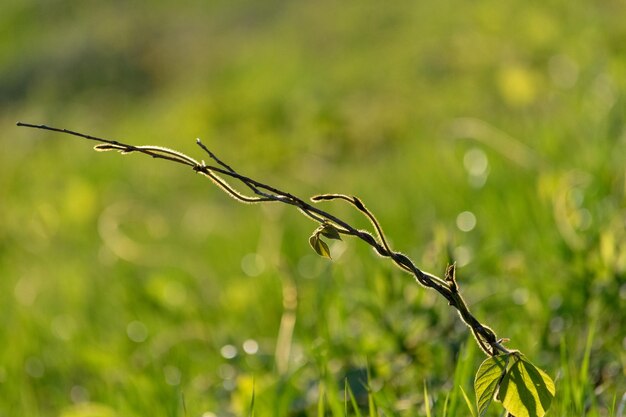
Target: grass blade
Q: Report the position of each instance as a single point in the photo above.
(468, 402)
(426, 400)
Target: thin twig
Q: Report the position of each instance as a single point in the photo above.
(448, 288)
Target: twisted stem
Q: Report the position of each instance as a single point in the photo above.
(263, 193)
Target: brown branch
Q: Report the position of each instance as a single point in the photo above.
(263, 193)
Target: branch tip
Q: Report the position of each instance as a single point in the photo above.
(358, 203)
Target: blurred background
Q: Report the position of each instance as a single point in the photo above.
(488, 133)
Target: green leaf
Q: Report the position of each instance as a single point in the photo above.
(319, 246)
(526, 391)
(330, 231)
(487, 381)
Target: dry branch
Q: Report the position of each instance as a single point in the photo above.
(263, 193)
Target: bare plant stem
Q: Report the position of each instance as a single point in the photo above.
(263, 193)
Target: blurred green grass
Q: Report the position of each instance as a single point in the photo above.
(131, 287)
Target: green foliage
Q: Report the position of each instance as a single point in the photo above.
(124, 280)
(488, 379)
(319, 246)
(523, 389)
(492, 377)
(329, 231)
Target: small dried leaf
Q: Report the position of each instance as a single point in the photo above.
(319, 246)
(322, 197)
(358, 203)
(330, 231)
(451, 272)
(105, 148)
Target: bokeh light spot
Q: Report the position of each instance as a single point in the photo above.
(174, 293)
(555, 302)
(557, 324)
(520, 296)
(309, 266)
(172, 375)
(137, 331)
(466, 221)
(63, 327)
(253, 264)
(34, 367)
(79, 394)
(517, 85)
(475, 162)
(462, 255)
(228, 351)
(227, 371)
(250, 346)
